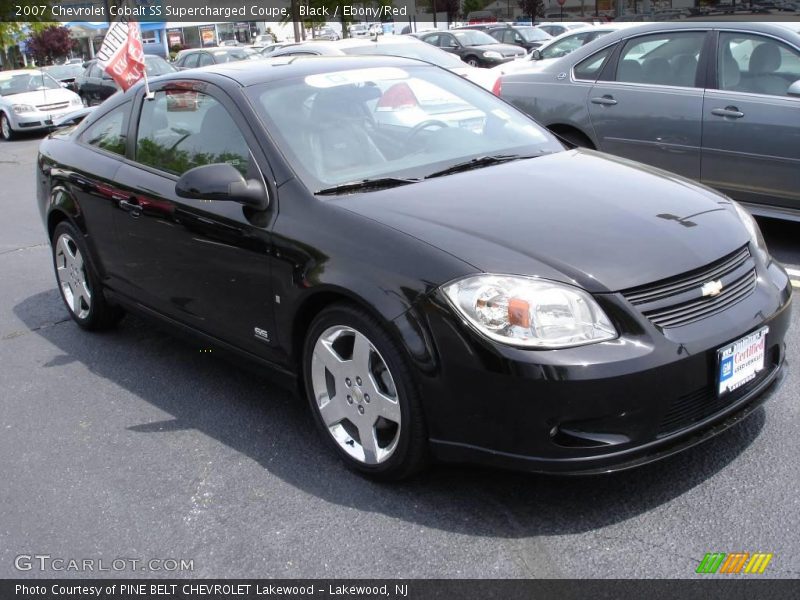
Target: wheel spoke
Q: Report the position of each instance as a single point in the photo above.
(76, 301)
(386, 407)
(84, 293)
(361, 352)
(366, 435)
(327, 355)
(63, 247)
(332, 412)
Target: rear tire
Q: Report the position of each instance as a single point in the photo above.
(78, 283)
(363, 396)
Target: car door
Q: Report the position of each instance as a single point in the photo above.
(648, 103)
(91, 86)
(449, 43)
(751, 125)
(202, 263)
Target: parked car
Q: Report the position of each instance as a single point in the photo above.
(263, 39)
(326, 33)
(66, 74)
(94, 84)
(30, 100)
(557, 47)
(723, 113)
(230, 43)
(427, 299)
(475, 48)
(560, 28)
(359, 30)
(396, 45)
(519, 35)
(270, 48)
(202, 57)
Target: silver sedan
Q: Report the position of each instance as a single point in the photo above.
(715, 102)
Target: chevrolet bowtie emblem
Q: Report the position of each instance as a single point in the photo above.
(712, 288)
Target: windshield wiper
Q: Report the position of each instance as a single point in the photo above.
(478, 162)
(364, 185)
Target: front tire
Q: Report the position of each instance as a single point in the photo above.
(362, 394)
(78, 283)
(472, 61)
(6, 131)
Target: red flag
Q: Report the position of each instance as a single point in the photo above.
(122, 54)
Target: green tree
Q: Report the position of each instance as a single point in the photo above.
(473, 5)
(532, 8)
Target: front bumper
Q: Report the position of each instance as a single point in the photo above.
(39, 120)
(596, 408)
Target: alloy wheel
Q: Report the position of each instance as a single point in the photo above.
(355, 394)
(71, 272)
(5, 127)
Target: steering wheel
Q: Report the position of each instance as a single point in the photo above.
(420, 127)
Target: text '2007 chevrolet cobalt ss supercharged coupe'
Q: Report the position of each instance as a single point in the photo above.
(442, 278)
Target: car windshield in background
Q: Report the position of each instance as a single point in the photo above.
(64, 71)
(233, 55)
(470, 37)
(533, 34)
(420, 51)
(156, 66)
(26, 82)
(363, 125)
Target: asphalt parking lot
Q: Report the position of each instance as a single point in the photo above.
(135, 444)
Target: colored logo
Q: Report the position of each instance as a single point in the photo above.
(727, 368)
(736, 562)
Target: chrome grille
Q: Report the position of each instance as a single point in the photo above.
(680, 301)
(54, 106)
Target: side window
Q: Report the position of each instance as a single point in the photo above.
(95, 71)
(109, 131)
(756, 64)
(190, 61)
(662, 59)
(205, 60)
(589, 68)
(179, 130)
(434, 40)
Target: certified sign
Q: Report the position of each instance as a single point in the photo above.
(741, 362)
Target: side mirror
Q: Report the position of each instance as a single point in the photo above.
(794, 89)
(64, 85)
(536, 54)
(223, 182)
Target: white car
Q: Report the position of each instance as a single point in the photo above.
(30, 100)
(557, 47)
(359, 30)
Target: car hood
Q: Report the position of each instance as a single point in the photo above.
(522, 64)
(504, 49)
(581, 217)
(37, 98)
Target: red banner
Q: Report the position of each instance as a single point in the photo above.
(122, 54)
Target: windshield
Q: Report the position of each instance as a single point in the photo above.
(470, 37)
(420, 51)
(157, 66)
(20, 83)
(234, 55)
(533, 34)
(565, 45)
(63, 71)
(371, 123)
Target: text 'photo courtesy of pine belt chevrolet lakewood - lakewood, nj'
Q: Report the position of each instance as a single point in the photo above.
(441, 275)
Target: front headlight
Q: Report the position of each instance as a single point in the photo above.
(492, 54)
(23, 108)
(76, 101)
(752, 227)
(529, 312)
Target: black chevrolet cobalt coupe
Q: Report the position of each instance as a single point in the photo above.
(438, 274)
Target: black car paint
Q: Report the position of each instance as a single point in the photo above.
(220, 270)
(508, 51)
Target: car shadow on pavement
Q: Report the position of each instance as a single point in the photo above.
(244, 411)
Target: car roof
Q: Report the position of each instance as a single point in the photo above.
(249, 72)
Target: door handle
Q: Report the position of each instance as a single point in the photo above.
(729, 111)
(131, 206)
(606, 100)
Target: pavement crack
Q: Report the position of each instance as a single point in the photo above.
(21, 248)
(16, 334)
